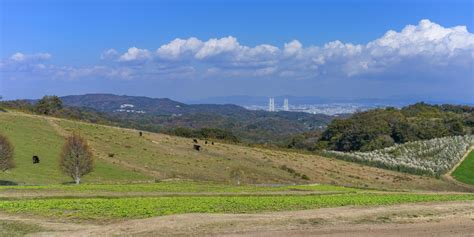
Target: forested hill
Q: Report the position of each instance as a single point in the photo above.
(164, 115)
(156, 106)
(381, 128)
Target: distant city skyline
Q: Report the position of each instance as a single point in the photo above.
(192, 50)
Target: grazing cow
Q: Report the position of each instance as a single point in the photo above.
(36, 160)
(205, 143)
(212, 143)
(195, 140)
(140, 133)
(197, 147)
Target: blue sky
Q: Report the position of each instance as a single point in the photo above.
(264, 48)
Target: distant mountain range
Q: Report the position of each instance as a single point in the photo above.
(156, 106)
(161, 114)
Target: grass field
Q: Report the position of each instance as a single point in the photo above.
(32, 136)
(174, 187)
(465, 171)
(158, 175)
(124, 157)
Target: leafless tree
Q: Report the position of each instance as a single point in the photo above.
(6, 154)
(76, 158)
(237, 175)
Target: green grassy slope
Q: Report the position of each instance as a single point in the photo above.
(157, 156)
(465, 171)
(34, 136)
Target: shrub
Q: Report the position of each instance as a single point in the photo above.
(6, 154)
(305, 177)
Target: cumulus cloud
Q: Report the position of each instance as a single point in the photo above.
(179, 48)
(135, 54)
(227, 51)
(425, 45)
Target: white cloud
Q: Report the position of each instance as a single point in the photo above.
(179, 48)
(215, 47)
(20, 57)
(135, 54)
(426, 45)
(292, 48)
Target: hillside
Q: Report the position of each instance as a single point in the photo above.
(165, 115)
(123, 156)
(162, 114)
(380, 128)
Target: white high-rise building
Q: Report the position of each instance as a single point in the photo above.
(286, 106)
(271, 104)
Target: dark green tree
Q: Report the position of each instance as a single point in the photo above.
(48, 105)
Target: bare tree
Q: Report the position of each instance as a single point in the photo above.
(76, 158)
(237, 174)
(6, 154)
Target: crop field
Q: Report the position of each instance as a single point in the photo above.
(106, 209)
(431, 157)
(465, 171)
(175, 188)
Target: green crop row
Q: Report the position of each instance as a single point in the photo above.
(120, 208)
(464, 172)
(180, 187)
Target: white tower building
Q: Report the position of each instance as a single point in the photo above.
(286, 107)
(271, 104)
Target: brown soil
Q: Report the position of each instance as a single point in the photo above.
(422, 219)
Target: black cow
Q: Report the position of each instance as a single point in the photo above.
(140, 133)
(36, 160)
(195, 140)
(197, 147)
(212, 143)
(205, 142)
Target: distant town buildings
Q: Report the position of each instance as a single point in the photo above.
(286, 106)
(272, 108)
(326, 108)
(124, 106)
(129, 108)
(271, 104)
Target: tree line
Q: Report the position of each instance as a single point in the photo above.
(380, 128)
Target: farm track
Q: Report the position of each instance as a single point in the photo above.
(420, 219)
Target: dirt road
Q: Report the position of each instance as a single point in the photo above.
(422, 219)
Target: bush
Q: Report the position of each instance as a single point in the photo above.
(305, 177)
(6, 154)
